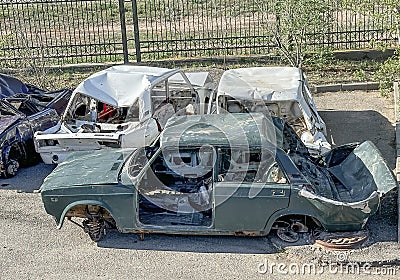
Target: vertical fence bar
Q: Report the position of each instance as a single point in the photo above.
(72, 31)
(123, 30)
(136, 30)
(396, 114)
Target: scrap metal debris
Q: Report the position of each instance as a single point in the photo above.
(340, 240)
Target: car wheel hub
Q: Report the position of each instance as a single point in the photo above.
(12, 167)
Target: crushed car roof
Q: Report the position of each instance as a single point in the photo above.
(240, 129)
(121, 85)
(267, 83)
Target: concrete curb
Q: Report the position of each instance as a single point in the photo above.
(66, 67)
(363, 54)
(346, 87)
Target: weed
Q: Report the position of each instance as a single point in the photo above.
(360, 75)
(319, 60)
(387, 73)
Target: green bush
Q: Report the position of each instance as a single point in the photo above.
(387, 73)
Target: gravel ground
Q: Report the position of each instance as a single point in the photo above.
(32, 248)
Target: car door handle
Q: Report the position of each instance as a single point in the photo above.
(278, 192)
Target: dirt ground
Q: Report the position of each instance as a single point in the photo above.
(32, 248)
(357, 116)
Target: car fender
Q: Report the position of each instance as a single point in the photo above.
(60, 221)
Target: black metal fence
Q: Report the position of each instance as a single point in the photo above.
(59, 32)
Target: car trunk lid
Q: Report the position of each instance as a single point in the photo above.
(362, 169)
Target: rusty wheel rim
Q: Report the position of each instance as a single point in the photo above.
(287, 235)
(342, 240)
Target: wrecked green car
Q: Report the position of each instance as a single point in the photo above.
(233, 174)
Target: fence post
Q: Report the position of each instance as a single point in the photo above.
(136, 30)
(396, 114)
(123, 31)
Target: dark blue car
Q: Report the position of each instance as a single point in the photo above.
(25, 109)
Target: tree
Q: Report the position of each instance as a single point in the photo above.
(384, 13)
(299, 26)
(386, 16)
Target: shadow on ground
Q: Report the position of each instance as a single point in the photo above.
(358, 126)
(27, 179)
(185, 243)
(383, 225)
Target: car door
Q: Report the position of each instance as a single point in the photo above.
(174, 188)
(244, 200)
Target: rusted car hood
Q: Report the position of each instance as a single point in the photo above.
(87, 168)
(6, 122)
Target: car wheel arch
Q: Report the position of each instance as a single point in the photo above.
(285, 213)
(83, 203)
(17, 146)
(12, 155)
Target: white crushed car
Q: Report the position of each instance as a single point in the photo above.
(123, 106)
(277, 91)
